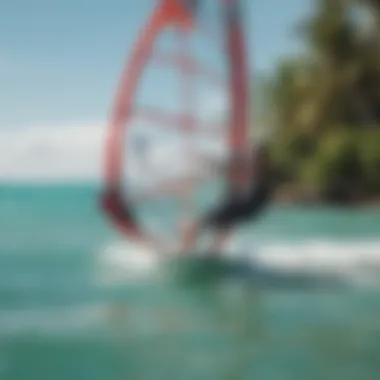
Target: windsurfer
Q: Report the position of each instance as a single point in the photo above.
(238, 206)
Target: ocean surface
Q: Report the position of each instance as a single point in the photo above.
(78, 302)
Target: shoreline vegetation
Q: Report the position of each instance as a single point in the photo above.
(297, 195)
(323, 108)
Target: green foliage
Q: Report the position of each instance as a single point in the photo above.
(370, 159)
(335, 168)
(345, 163)
(325, 106)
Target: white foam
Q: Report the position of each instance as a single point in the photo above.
(356, 260)
(359, 260)
(121, 260)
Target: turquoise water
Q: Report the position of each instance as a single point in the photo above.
(68, 309)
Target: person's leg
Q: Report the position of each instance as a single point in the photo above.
(220, 220)
(234, 213)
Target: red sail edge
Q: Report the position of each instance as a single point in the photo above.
(239, 81)
(167, 13)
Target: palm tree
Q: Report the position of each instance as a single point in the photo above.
(336, 83)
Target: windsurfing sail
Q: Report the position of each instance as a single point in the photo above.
(182, 109)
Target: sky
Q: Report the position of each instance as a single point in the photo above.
(60, 62)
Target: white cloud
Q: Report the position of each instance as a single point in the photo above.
(51, 152)
(75, 151)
